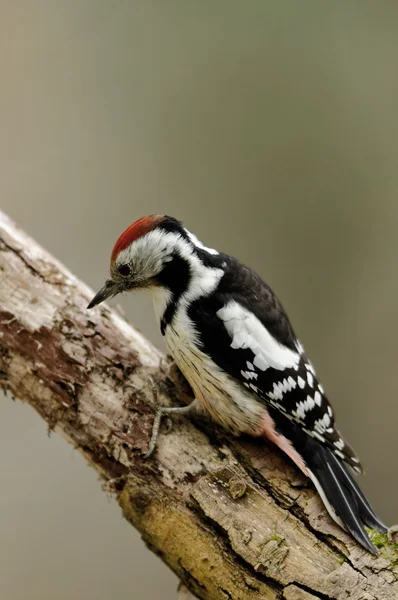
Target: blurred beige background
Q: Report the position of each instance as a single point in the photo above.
(271, 129)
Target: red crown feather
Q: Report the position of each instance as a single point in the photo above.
(135, 231)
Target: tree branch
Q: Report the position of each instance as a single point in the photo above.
(230, 517)
(185, 594)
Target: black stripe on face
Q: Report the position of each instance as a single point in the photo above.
(175, 276)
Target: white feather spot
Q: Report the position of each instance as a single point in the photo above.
(310, 402)
(301, 382)
(318, 398)
(340, 454)
(310, 379)
(249, 374)
(303, 408)
(322, 424)
(277, 392)
(339, 444)
(249, 366)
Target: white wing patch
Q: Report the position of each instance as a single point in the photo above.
(246, 331)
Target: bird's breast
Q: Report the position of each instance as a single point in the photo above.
(225, 399)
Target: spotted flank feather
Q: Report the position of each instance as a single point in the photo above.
(301, 397)
(284, 377)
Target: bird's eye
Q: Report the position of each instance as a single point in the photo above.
(124, 270)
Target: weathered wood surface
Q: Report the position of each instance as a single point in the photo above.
(230, 517)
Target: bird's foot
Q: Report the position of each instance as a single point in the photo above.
(161, 412)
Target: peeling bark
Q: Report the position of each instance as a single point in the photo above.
(229, 516)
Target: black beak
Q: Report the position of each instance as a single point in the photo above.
(110, 289)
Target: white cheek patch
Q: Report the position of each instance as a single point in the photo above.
(147, 256)
(246, 331)
(148, 253)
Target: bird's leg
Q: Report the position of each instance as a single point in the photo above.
(160, 413)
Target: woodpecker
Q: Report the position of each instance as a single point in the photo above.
(233, 341)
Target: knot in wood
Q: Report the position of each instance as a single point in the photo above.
(237, 487)
(141, 500)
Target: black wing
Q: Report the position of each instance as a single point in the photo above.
(247, 333)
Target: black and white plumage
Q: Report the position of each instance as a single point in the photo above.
(233, 341)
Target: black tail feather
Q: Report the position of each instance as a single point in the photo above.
(342, 496)
(367, 513)
(337, 488)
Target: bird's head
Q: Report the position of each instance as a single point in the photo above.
(155, 251)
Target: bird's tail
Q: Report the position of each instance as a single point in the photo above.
(341, 495)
